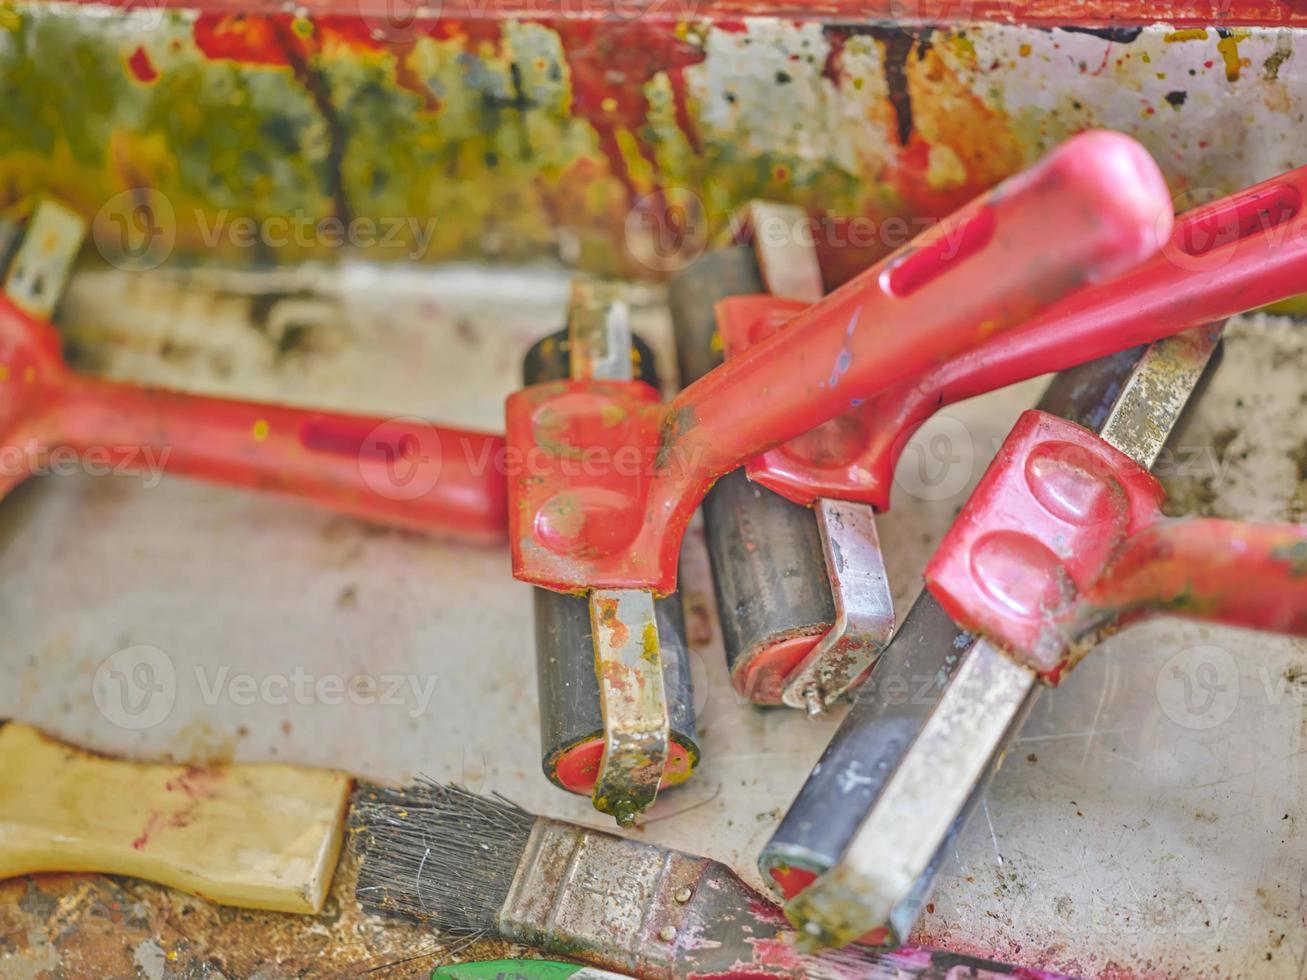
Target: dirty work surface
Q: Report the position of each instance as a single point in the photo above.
(95, 926)
(1145, 825)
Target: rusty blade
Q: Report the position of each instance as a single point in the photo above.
(628, 656)
(855, 568)
(864, 609)
(629, 666)
(599, 331)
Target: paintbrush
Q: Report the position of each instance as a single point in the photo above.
(473, 865)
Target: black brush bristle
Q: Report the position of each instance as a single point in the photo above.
(437, 853)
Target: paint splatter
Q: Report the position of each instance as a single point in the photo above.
(142, 68)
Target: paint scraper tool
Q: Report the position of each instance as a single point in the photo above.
(613, 533)
(852, 830)
(805, 605)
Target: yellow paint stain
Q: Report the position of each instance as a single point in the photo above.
(649, 651)
(1293, 306)
(260, 430)
(1189, 34)
(944, 169)
(677, 770)
(1024, 50)
(609, 104)
(4, 372)
(638, 170)
(1229, 49)
(978, 136)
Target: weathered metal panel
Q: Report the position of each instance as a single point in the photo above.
(600, 141)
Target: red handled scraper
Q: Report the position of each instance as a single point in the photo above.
(614, 533)
(573, 706)
(398, 471)
(914, 765)
(843, 470)
(1062, 542)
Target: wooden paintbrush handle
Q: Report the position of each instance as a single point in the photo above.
(254, 835)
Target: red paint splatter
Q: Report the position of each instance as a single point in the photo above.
(151, 827)
(920, 197)
(197, 785)
(236, 37)
(141, 67)
(610, 64)
(473, 32)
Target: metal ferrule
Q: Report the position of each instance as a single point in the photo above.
(657, 914)
(599, 897)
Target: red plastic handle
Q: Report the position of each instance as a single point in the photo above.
(1064, 540)
(1088, 211)
(1236, 254)
(402, 472)
(1234, 572)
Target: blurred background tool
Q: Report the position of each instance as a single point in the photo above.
(479, 865)
(844, 469)
(258, 836)
(396, 471)
(578, 716)
(615, 533)
(1240, 252)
